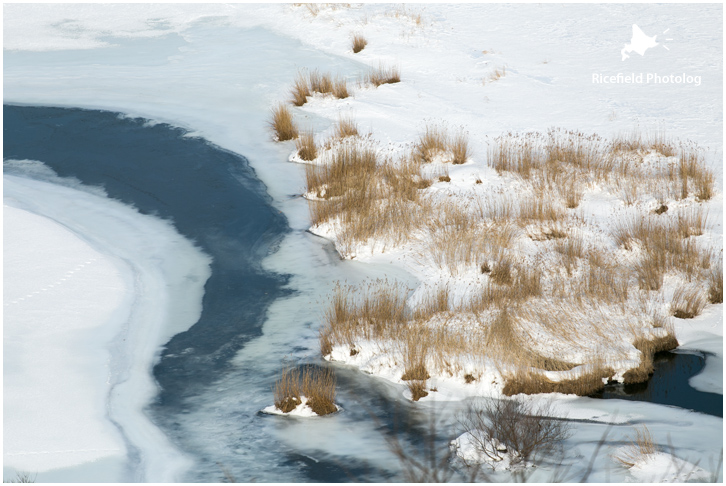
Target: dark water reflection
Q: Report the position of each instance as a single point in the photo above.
(669, 385)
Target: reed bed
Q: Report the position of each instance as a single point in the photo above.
(554, 287)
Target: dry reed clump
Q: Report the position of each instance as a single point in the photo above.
(516, 153)
(540, 209)
(287, 390)
(316, 82)
(688, 302)
(431, 142)
(692, 167)
(305, 145)
(641, 447)
(382, 75)
(715, 283)
(369, 313)
(459, 148)
(315, 384)
(531, 383)
(691, 222)
(359, 43)
(414, 356)
(345, 127)
(367, 199)
(417, 389)
(300, 90)
(282, 123)
(318, 387)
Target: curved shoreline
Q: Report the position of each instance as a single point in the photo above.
(129, 342)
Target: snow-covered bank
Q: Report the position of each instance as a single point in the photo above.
(92, 290)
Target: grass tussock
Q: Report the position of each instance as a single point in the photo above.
(282, 123)
(359, 43)
(640, 448)
(305, 145)
(287, 390)
(315, 384)
(435, 141)
(431, 143)
(316, 82)
(300, 90)
(531, 383)
(318, 386)
(688, 302)
(382, 75)
(715, 283)
(366, 198)
(345, 127)
(459, 148)
(417, 389)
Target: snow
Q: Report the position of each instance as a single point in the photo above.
(176, 64)
(302, 410)
(664, 468)
(55, 278)
(93, 289)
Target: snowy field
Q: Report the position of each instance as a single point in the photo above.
(217, 70)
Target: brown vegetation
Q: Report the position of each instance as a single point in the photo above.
(282, 123)
(359, 43)
(315, 384)
(641, 446)
(383, 75)
(305, 145)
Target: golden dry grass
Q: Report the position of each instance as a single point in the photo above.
(300, 90)
(305, 145)
(459, 148)
(641, 447)
(359, 43)
(318, 386)
(287, 390)
(431, 143)
(315, 384)
(282, 123)
(532, 383)
(383, 75)
(715, 283)
(688, 302)
(572, 293)
(345, 127)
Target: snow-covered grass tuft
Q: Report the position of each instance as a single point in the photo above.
(359, 43)
(305, 144)
(642, 446)
(688, 302)
(345, 127)
(311, 385)
(382, 75)
(282, 123)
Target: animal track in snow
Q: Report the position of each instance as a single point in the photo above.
(67, 276)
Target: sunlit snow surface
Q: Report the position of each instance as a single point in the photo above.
(217, 69)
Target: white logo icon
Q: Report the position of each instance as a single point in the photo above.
(640, 42)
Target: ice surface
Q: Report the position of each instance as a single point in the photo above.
(93, 290)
